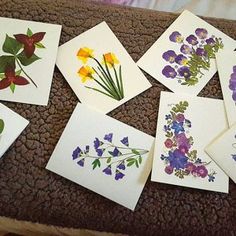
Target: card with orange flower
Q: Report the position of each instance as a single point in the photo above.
(28, 53)
(99, 70)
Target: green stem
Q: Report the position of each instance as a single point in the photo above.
(26, 73)
(117, 81)
(121, 82)
(97, 90)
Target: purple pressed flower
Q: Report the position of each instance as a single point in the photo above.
(201, 171)
(166, 128)
(125, 141)
(181, 59)
(121, 166)
(169, 56)
(169, 72)
(234, 157)
(234, 95)
(76, 153)
(169, 170)
(191, 39)
(180, 117)
(108, 137)
(190, 167)
(115, 152)
(232, 82)
(107, 170)
(201, 33)
(184, 72)
(119, 175)
(81, 162)
(99, 151)
(177, 127)
(210, 41)
(234, 69)
(185, 49)
(177, 159)
(182, 141)
(211, 178)
(176, 37)
(201, 52)
(97, 143)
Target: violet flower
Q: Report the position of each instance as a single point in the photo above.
(169, 72)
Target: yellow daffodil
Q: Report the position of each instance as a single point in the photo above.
(85, 72)
(84, 54)
(111, 59)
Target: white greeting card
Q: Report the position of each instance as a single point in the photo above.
(183, 58)
(11, 126)
(226, 64)
(28, 53)
(186, 124)
(99, 70)
(223, 151)
(103, 155)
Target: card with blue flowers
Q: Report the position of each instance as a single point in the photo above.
(104, 155)
(183, 58)
(28, 52)
(186, 125)
(11, 126)
(100, 72)
(223, 151)
(226, 64)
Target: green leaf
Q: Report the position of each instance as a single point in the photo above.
(6, 61)
(135, 151)
(136, 163)
(18, 72)
(130, 163)
(39, 45)
(109, 160)
(1, 125)
(12, 87)
(130, 159)
(11, 45)
(2, 76)
(140, 160)
(25, 61)
(29, 32)
(96, 163)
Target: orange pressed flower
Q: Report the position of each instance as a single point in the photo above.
(85, 72)
(84, 54)
(110, 59)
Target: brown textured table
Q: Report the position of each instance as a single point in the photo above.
(29, 192)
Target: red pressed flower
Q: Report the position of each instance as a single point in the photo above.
(29, 42)
(11, 77)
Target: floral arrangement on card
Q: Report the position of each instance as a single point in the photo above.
(2, 125)
(107, 75)
(179, 156)
(20, 52)
(188, 64)
(110, 156)
(232, 83)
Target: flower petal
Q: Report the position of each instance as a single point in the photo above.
(19, 80)
(29, 50)
(4, 83)
(38, 37)
(9, 72)
(22, 38)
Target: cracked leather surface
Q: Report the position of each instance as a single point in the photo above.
(29, 192)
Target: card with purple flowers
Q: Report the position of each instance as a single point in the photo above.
(223, 151)
(11, 126)
(226, 63)
(28, 53)
(104, 155)
(183, 58)
(186, 125)
(101, 72)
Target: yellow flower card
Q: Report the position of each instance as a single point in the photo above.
(11, 126)
(99, 70)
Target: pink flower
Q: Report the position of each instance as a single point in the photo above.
(168, 143)
(202, 171)
(182, 140)
(169, 170)
(180, 117)
(184, 149)
(190, 167)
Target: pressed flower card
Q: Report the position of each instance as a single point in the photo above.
(183, 58)
(186, 125)
(223, 151)
(226, 63)
(28, 53)
(104, 155)
(99, 70)
(11, 125)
